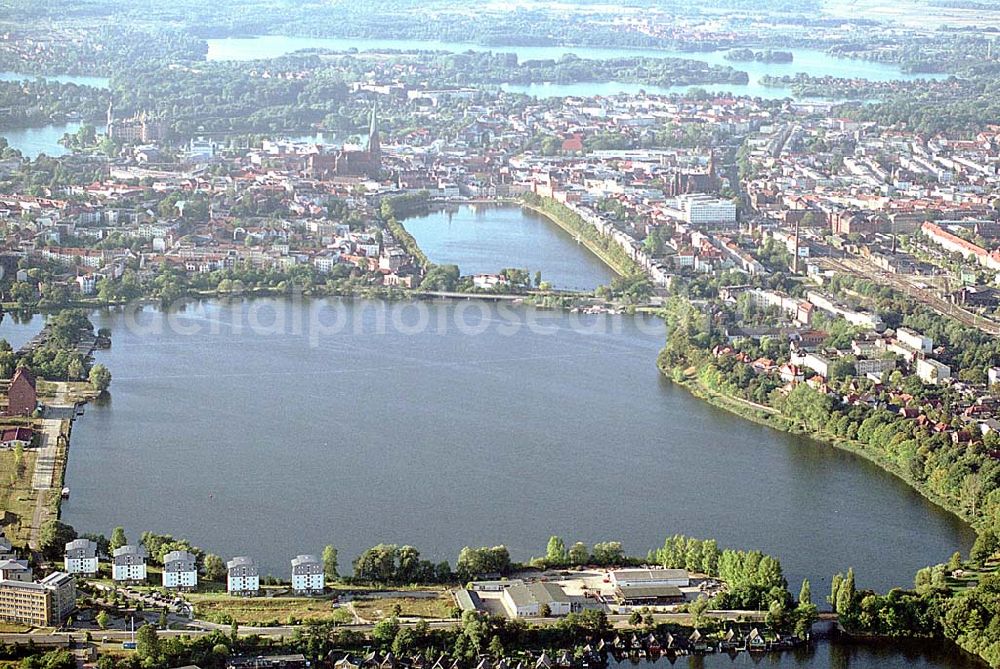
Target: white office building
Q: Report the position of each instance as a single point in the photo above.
(696, 208)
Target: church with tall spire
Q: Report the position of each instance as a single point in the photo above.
(352, 162)
(374, 141)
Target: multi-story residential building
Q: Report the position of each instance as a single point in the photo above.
(915, 340)
(43, 604)
(933, 372)
(242, 576)
(81, 557)
(307, 575)
(128, 564)
(180, 570)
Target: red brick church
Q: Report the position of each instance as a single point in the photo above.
(22, 399)
(351, 163)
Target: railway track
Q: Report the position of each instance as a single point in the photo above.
(927, 297)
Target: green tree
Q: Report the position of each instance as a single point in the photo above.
(697, 609)
(103, 619)
(100, 377)
(556, 554)
(838, 580)
(496, 647)
(147, 643)
(579, 554)
(330, 563)
(385, 631)
(985, 546)
(215, 568)
(53, 537)
(117, 538)
(805, 592)
(845, 595)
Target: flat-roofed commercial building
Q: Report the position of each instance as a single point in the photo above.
(645, 595)
(650, 577)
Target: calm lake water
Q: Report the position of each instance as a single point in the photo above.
(811, 61)
(78, 79)
(832, 654)
(45, 139)
(486, 239)
(271, 441)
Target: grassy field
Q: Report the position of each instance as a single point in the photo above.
(422, 607)
(13, 628)
(17, 499)
(265, 611)
(970, 577)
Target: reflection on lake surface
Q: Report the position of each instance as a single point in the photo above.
(483, 239)
(32, 142)
(829, 653)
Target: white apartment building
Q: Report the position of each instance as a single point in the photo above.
(307, 575)
(180, 570)
(242, 576)
(81, 557)
(128, 564)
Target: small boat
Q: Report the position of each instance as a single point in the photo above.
(65, 492)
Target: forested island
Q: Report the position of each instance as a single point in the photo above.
(765, 56)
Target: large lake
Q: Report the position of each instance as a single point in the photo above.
(248, 436)
(811, 61)
(484, 239)
(32, 142)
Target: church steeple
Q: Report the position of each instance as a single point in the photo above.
(374, 142)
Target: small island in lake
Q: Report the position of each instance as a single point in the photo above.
(766, 56)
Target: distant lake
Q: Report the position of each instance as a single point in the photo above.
(609, 88)
(78, 79)
(45, 139)
(811, 61)
(484, 239)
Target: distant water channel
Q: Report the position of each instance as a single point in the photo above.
(484, 239)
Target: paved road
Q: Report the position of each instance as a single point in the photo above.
(45, 464)
(199, 627)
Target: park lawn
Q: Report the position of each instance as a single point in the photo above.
(417, 607)
(17, 499)
(265, 611)
(971, 577)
